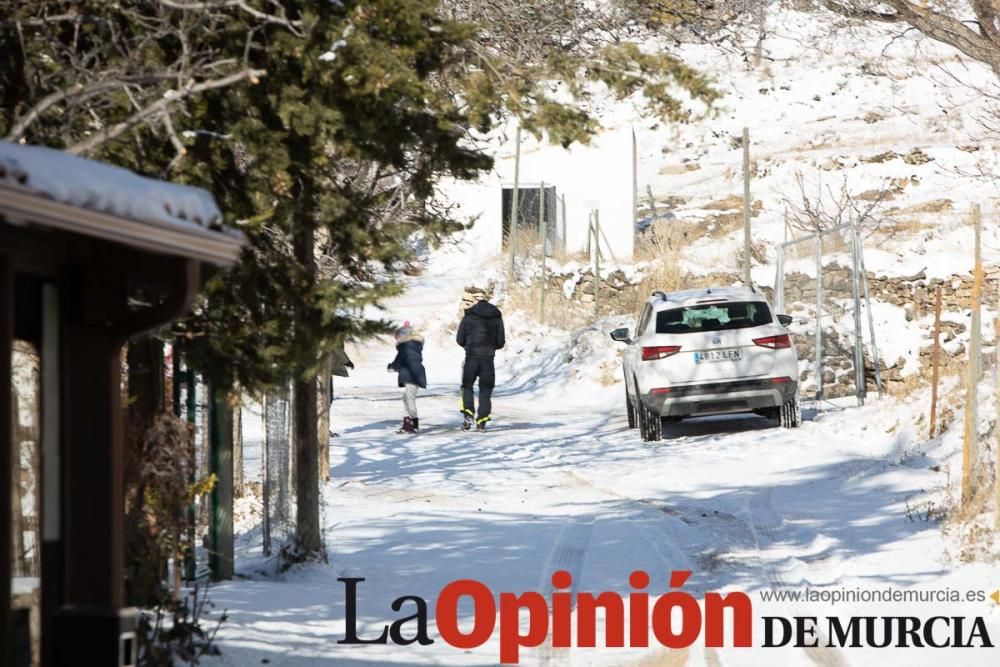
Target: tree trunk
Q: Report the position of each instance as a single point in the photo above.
(306, 469)
(310, 543)
(145, 562)
(146, 387)
(323, 408)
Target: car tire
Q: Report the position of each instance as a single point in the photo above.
(649, 424)
(790, 413)
(630, 410)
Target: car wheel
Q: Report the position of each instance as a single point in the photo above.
(649, 424)
(630, 410)
(790, 414)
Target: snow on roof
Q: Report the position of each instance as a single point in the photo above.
(47, 187)
(102, 187)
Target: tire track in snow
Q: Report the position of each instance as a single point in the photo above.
(567, 554)
(764, 524)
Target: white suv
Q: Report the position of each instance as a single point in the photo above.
(709, 352)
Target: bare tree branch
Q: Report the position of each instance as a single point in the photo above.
(159, 107)
(281, 19)
(946, 28)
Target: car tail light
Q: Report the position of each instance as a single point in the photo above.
(778, 342)
(659, 352)
(781, 380)
(660, 390)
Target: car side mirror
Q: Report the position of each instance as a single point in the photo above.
(784, 320)
(621, 335)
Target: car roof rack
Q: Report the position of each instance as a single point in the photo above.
(660, 293)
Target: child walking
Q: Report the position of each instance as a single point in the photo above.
(409, 364)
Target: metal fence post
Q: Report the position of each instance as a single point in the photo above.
(190, 409)
(652, 205)
(876, 361)
(779, 281)
(265, 520)
(563, 212)
(542, 223)
(819, 318)
(935, 358)
(859, 357)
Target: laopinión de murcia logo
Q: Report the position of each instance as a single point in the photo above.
(673, 618)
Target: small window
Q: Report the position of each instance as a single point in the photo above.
(713, 317)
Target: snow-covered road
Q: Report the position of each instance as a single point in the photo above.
(560, 482)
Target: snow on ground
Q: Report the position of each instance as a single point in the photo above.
(846, 503)
(560, 482)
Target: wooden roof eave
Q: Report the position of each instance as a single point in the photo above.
(188, 240)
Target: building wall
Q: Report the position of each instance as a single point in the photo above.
(596, 176)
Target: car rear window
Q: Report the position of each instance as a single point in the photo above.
(713, 317)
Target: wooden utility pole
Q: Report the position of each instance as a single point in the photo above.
(996, 396)
(935, 357)
(970, 448)
(746, 206)
(512, 227)
(595, 228)
(635, 186)
(543, 232)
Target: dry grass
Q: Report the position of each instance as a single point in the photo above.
(559, 312)
(661, 246)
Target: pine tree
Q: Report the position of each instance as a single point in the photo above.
(348, 122)
(321, 127)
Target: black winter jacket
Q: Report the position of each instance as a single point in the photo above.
(481, 331)
(409, 361)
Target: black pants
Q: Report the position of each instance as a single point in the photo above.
(482, 368)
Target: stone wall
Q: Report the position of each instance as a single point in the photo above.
(914, 294)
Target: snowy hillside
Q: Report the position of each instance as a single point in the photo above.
(860, 104)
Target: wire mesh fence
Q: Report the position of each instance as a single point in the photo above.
(821, 283)
(276, 469)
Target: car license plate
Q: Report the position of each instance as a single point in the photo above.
(731, 354)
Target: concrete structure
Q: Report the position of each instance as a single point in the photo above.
(596, 176)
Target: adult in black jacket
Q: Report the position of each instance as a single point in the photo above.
(481, 334)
